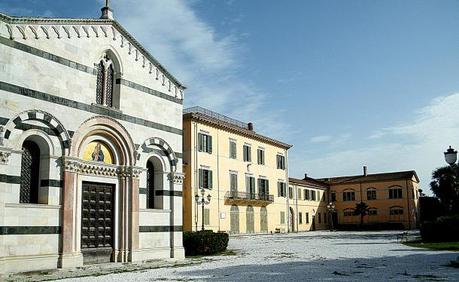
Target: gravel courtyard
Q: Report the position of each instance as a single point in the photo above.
(321, 255)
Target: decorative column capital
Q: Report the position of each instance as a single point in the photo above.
(4, 156)
(176, 177)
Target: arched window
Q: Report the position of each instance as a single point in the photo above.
(154, 189)
(105, 82)
(150, 186)
(395, 192)
(348, 195)
(371, 193)
(30, 173)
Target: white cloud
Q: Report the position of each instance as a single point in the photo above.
(320, 139)
(417, 143)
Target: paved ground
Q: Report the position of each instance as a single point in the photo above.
(322, 255)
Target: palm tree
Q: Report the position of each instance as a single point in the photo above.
(362, 210)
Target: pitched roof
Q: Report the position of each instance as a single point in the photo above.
(371, 177)
(10, 20)
(230, 124)
(309, 182)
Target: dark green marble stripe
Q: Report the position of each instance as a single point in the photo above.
(143, 191)
(10, 179)
(168, 193)
(160, 228)
(51, 183)
(29, 230)
(83, 68)
(46, 55)
(85, 107)
(150, 91)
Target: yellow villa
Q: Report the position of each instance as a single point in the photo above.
(243, 173)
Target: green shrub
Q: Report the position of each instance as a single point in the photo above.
(444, 229)
(204, 242)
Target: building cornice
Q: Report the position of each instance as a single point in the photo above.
(235, 129)
(36, 25)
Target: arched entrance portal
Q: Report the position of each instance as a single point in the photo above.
(102, 224)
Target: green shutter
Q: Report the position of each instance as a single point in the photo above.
(201, 177)
(209, 144)
(210, 179)
(200, 136)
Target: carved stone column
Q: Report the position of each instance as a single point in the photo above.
(176, 217)
(71, 254)
(134, 214)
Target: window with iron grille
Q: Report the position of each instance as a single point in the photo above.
(105, 82)
(396, 211)
(372, 211)
(348, 212)
(30, 170)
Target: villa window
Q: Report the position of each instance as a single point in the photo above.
(233, 183)
(348, 212)
(280, 162)
(261, 156)
(205, 179)
(263, 187)
(333, 196)
(281, 189)
(206, 216)
(232, 149)
(348, 196)
(307, 194)
(205, 143)
(371, 194)
(372, 211)
(396, 211)
(290, 192)
(300, 218)
(247, 153)
(307, 218)
(250, 186)
(395, 192)
(313, 195)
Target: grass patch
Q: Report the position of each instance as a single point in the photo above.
(441, 246)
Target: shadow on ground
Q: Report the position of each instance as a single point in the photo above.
(379, 269)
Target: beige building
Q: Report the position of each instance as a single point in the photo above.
(308, 204)
(392, 198)
(245, 174)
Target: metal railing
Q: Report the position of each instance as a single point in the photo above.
(215, 115)
(236, 195)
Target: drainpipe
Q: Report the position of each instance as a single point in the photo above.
(218, 178)
(287, 192)
(196, 175)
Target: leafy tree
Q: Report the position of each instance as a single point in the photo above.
(445, 186)
(362, 210)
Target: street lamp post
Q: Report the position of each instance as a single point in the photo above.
(202, 200)
(331, 209)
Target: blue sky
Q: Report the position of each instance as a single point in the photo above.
(348, 83)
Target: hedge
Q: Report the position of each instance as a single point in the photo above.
(204, 242)
(444, 229)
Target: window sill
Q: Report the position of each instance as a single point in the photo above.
(155, 211)
(33, 206)
(107, 108)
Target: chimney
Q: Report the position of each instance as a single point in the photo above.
(250, 126)
(107, 13)
(364, 170)
(305, 176)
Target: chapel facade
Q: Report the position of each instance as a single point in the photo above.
(90, 146)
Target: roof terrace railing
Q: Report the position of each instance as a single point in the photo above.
(215, 115)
